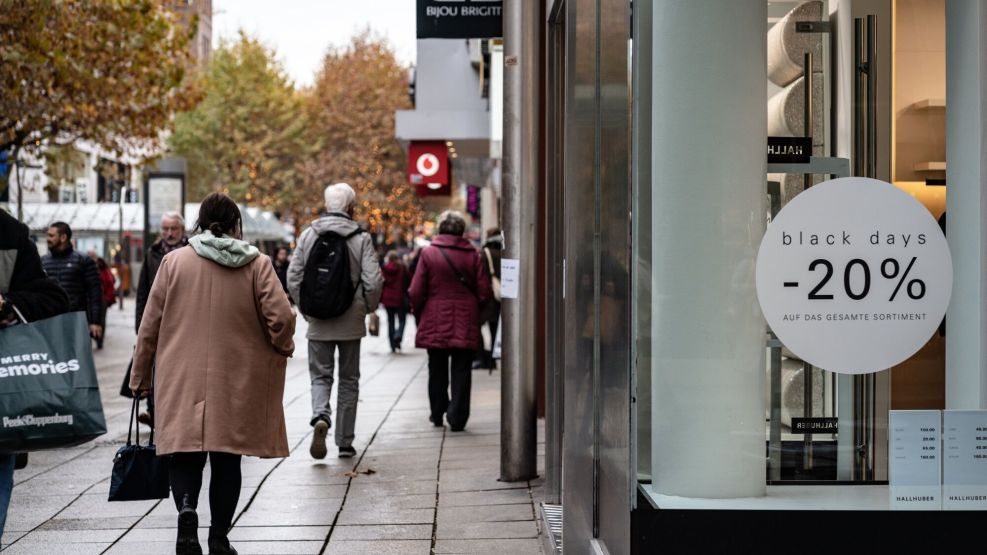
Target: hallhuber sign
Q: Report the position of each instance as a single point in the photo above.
(460, 19)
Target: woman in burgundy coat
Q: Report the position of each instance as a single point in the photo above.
(447, 292)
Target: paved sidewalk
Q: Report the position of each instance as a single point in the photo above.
(412, 489)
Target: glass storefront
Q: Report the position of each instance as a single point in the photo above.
(675, 405)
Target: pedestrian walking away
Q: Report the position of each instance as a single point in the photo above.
(172, 237)
(281, 267)
(395, 298)
(447, 293)
(334, 278)
(490, 315)
(217, 327)
(109, 288)
(24, 287)
(77, 274)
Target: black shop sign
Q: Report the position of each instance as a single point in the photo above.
(460, 19)
(789, 150)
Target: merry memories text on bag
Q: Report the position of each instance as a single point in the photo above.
(34, 364)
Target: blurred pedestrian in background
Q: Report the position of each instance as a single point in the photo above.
(395, 297)
(78, 276)
(172, 237)
(281, 266)
(335, 293)
(24, 286)
(217, 330)
(109, 289)
(447, 292)
(490, 316)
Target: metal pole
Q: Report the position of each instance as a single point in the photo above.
(807, 122)
(518, 412)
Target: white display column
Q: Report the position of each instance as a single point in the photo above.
(966, 202)
(708, 172)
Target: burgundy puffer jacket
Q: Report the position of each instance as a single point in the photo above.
(448, 311)
(395, 285)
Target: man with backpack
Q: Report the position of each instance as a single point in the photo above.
(335, 280)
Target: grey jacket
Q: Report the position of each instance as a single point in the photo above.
(365, 271)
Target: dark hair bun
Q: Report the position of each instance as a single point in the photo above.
(216, 228)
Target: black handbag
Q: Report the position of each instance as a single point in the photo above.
(138, 473)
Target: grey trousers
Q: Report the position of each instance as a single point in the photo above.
(321, 363)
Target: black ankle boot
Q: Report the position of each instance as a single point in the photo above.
(188, 531)
(219, 543)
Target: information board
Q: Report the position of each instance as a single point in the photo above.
(964, 476)
(915, 465)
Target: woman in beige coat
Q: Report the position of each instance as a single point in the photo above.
(217, 330)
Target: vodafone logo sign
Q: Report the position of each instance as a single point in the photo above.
(429, 169)
(427, 164)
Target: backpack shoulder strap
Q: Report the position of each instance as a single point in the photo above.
(456, 271)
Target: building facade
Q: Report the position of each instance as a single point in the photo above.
(671, 410)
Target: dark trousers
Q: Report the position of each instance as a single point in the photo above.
(185, 475)
(396, 318)
(457, 408)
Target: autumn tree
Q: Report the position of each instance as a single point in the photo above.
(107, 71)
(246, 136)
(350, 112)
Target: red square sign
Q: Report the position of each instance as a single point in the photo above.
(428, 167)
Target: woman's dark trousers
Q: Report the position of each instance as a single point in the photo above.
(396, 318)
(185, 474)
(442, 363)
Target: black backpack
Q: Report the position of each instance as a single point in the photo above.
(327, 288)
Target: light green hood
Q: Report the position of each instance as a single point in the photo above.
(226, 251)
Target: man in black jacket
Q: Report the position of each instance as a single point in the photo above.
(77, 274)
(24, 287)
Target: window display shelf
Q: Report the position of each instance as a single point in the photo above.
(929, 167)
(788, 498)
(929, 104)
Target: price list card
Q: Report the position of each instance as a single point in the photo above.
(964, 460)
(915, 460)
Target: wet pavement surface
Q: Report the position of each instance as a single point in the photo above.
(411, 489)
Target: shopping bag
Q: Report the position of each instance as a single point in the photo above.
(49, 395)
(373, 324)
(139, 473)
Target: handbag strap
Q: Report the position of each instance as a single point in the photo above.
(490, 265)
(455, 270)
(133, 419)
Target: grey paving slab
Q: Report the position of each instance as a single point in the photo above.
(521, 529)
(497, 497)
(72, 536)
(486, 513)
(279, 492)
(34, 548)
(383, 547)
(279, 533)
(369, 516)
(489, 547)
(375, 485)
(301, 512)
(383, 532)
(390, 502)
(279, 547)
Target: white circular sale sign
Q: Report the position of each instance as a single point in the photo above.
(854, 275)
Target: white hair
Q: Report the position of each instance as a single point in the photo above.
(174, 216)
(340, 197)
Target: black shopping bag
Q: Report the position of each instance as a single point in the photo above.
(139, 473)
(49, 395)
